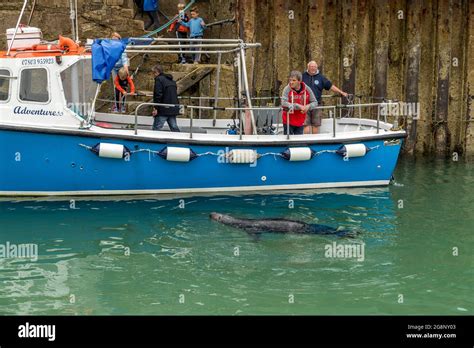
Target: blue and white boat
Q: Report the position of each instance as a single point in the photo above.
(52, 144)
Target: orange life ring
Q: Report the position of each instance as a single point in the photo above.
(67, 44)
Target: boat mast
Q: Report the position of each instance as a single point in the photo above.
(16, 28)
(73, 18)
(77, 23)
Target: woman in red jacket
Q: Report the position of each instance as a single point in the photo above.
(297, 100)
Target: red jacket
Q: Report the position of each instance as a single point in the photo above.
(181, 28)
(297, 117)
(122, 85)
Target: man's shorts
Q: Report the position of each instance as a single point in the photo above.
(313, 118)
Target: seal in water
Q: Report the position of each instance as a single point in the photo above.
(277, 225)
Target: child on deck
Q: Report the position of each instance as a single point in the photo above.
(181, 30)
(122, 82)
(196, 27)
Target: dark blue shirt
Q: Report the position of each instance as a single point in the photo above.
(317, 83)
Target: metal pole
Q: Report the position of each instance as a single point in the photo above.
(333, 121)
(200, 109)
(171, 39)
(360, 108)
(16, 28)
(378, 118)
(91, 111)
(77, 23)
(216, 93)
(177, 51)
(191, 115)
(239, 91)
(72, 16)
(187, 45)
(247, 90)
(136, 118)
(287, 126)
(290, 111)
(367, 104)
(32, 11)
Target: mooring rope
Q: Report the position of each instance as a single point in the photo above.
(167, 24)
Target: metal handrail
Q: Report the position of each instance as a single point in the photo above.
(172, 39)
(182, 51)
(37, 51)
(332, 113)
(378, 105)
(184, 45)
(8, 77)
(365, 104)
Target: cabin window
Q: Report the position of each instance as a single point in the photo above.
(79, 88)
(4, 85)
(34, 85)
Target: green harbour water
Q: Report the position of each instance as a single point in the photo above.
(163, 255)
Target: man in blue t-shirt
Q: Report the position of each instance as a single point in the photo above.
(317, 82)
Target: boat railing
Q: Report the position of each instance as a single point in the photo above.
(241, 111)
(378, 105)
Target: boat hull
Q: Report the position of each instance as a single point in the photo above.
(43, 164)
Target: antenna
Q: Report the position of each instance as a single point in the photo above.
(77, 23)
(74, 22)
(16, 28)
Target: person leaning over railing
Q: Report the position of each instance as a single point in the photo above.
(297, 100)
(317, 82)
(122, 83)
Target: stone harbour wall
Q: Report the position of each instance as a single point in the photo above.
(420, 52)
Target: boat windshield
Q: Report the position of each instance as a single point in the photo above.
(79, 89)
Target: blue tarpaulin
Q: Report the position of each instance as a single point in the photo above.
(150, 5)
(105, 53)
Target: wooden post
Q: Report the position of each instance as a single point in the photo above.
(469, 101)
(413, 49)
(381, 48)
(331, 67)
(298, 22)
(457, 75)
(315, 32)
(265, 55)
(281, 44)
(349, 41)
(247, 18)
(424, 138)
(363, 81)
(443, 65)
(397, 43)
